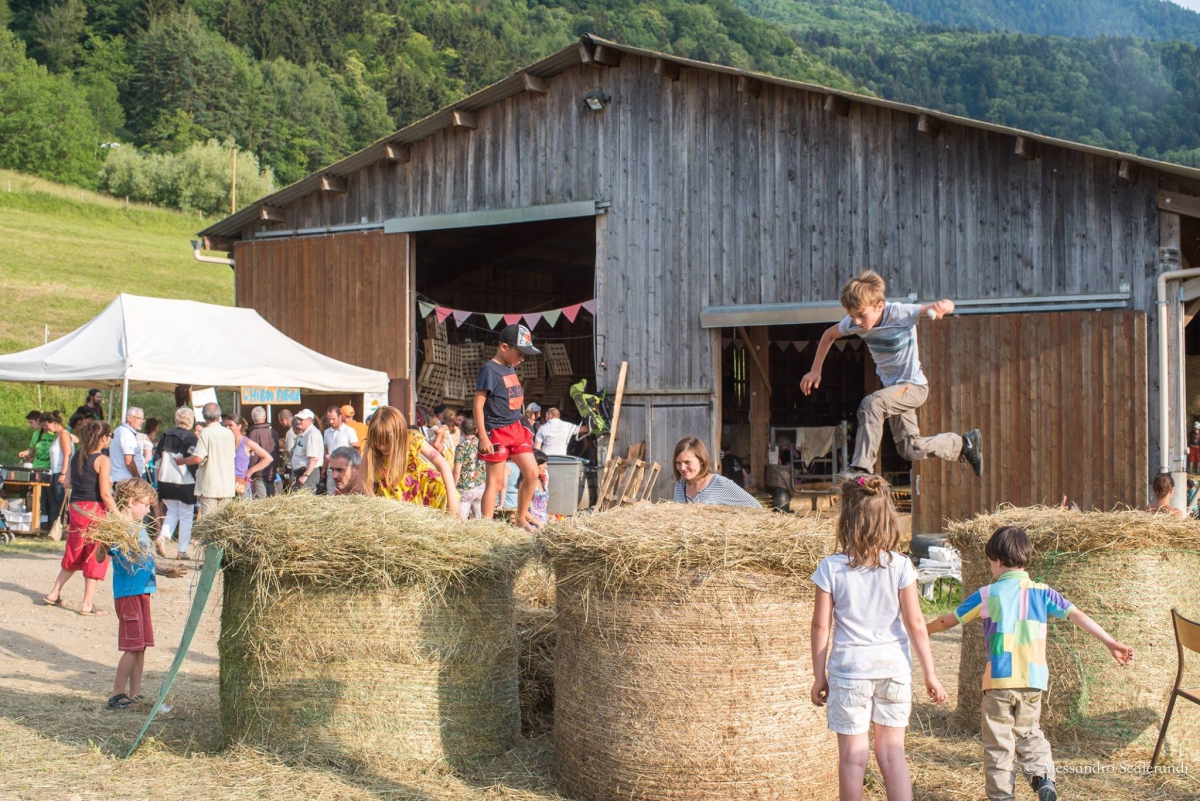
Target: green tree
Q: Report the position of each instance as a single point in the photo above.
(58, 32)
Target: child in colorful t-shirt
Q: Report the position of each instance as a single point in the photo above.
(468, 472)
(1015, 611)
(133, 584)
(539, 507)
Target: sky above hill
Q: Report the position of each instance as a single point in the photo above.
(1194, 5)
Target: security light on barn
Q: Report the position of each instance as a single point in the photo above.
(596, 101)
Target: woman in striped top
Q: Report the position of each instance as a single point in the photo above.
(696, 483)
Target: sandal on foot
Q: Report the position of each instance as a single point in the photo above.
(59, 602)
(93, 612)
(120, 701)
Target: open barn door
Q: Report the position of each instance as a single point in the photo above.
(1061, 400)
(348, 296)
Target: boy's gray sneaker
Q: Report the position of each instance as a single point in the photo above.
(1045, 788)
(972, 450)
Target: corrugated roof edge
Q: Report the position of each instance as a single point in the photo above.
(571, 56)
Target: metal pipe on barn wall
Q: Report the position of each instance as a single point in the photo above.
(1179, 499)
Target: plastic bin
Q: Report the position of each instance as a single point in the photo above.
(568, 487)
(19, 521)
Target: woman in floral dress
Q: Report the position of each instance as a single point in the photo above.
(396, 464)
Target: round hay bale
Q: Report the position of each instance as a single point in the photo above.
(355, 630)
(682, 668)
(1125, 569)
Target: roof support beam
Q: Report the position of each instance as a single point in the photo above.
(666, 69)
(838, 105)
(533, 84)
(749, 86)
(462, 120)
(929, 125)
(334, 184)
(272, 214)
(606, 56)
(1127, 171)
(218, 243)
(396, 153)
(1026, 148)
(1186, 205)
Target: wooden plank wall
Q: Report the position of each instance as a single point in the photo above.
(721, 198)
(345, 295)
(1060, 399)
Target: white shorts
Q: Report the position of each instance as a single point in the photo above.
(854, 704)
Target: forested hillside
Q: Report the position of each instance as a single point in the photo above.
(151, 99)
(1146, 19)
(1124, 93)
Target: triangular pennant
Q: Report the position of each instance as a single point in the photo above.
(841, 344)
(532, 319)
(509, 319)
(590, 305)
(781, 344)
(442, 313)
(493, 320)
(460, 317)
(856, 343)
(572, 312)
(737, 343)
(726, 342)
(800, 345)
(551, 317)
(426, 309)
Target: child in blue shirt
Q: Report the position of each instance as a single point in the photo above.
(133, 584)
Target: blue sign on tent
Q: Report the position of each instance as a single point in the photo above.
(269, 395)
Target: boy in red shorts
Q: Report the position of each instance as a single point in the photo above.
(499, 403)
(133, 584)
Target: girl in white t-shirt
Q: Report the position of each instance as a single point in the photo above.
(868, 593)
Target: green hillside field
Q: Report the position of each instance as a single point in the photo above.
(65, 259)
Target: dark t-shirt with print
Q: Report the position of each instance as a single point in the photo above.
(505, 399)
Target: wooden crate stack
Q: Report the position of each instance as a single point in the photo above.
(456, 392)
(532, 372)
(435, 371)
(559, 372)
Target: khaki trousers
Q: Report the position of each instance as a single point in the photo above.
(898, 405)
(209, 505)
(1011, 725)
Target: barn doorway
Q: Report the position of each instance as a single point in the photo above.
(540, 270)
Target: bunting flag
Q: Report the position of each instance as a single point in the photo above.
(841, 344)
(800, 344)
(426, 309)
(532, 319)
(783, 344)
(551, 317)
(460, 317)
(856, 343)
(512, 319)
(571, 312)
(493, 320)
(726, 342)
(442, 313)
(590, 305)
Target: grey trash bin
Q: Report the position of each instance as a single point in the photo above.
(568, 487)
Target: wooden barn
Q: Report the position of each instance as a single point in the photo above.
(708, 216)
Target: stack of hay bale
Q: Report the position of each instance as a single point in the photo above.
(682, 666)
(1125, 569)
(357, 629)
(536, 638)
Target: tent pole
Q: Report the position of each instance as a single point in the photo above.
(124, 399)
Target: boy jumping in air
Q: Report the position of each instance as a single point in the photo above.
(890, 331)
(499, 403)
(1015, 611)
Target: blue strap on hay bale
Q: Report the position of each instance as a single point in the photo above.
(208, 573)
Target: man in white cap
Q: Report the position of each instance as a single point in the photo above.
(308, 453)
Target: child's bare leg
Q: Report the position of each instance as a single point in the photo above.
(124, 671)
(56, 591)
(139, 662)
(527, 464)
(492, 487)
(853, 753)
(889, 753)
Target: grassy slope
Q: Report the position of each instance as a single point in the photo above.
(65, 259)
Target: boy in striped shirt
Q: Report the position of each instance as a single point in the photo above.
(1015, 611)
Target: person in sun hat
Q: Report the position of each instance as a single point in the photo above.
(308, 452)
(359, 428)
(499, 403)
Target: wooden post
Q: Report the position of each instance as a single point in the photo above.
(233, 185)
(612, 436)
(758, 344)
(1169, 235)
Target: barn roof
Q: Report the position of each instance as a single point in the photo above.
(584, 51)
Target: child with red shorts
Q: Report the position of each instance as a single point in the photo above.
(133, 584)
(499, 403)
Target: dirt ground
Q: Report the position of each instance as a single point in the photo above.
(58, 741)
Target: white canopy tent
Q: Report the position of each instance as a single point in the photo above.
(145, 344)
